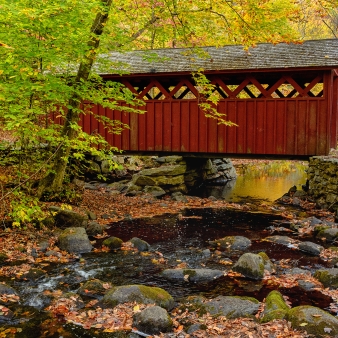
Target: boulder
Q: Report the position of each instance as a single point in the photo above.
(138, 293)
(232, 306)
(143, 180)
(153, 320)
(268, 265)
(94, 229)
(93, 288)
(329, 234)
(67, 218)
(328, 277)
(113, 243)
(250, 265)
(178, 197)
(310, 248)
(232, 243)
(192, 275)
(75, 240)
(154, 190)
(7, 290)
(284, 240)
(313, 320)
(275, 307)
(140, 244)
(33, 275)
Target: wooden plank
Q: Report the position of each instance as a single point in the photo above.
(231, 133)
(270, 127)
(221, 128)
(176, 125)
(150, 126)
(311, 138)
(158, 115)
(211, 135)
(250, 146)
(142, 130)
(291, 145)
(280, 122)
(125, 137)
(202, 132)
(185, 125)
(116, 115)
(134, 130)
(322, 140)
(241, 130)
(260, 127)
(193, 127)
(167, 124)
(301, 129)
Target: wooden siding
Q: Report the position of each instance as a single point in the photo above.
(290, 126)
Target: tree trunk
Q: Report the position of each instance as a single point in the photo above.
(53, 180)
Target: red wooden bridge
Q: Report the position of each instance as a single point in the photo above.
(284, 99)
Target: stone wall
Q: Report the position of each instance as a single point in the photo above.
(323, 181)
(163, 175)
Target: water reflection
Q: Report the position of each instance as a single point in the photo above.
(258, 184)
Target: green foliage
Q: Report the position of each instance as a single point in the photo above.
(44, 46)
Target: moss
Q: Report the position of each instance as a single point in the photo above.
(92, 288)
(264, 256)
(157, 294)
(251, 299)
(319, 228)
(190, 273)
(274, 314)
(139, 294)
(247, 270)
(275, 301)
(333, 248)
(317, 320)
(113, 243)
(326, 278)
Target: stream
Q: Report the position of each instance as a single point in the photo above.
(180, 240)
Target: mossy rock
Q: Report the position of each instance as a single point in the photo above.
(138, 293)
(328, 277)
(232, 307)
(319, 228)
(274, 314)
(232, 243)
(250, 265)
(153, 320)
(313, 320)
(192, 275)
(268, 265)
(92, 288)
(140, 244)
(113, 243)
(328, 234)
(275, 307)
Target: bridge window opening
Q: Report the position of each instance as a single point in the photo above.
(239, 86)
(317, 90)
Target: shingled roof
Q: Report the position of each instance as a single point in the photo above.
(310, 54)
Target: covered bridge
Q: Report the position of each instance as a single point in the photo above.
(284, 99)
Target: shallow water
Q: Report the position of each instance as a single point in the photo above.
(263, 183)
(179, 240)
